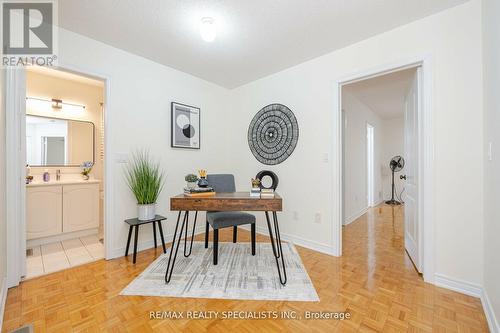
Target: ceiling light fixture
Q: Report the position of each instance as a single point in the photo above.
(208, 29)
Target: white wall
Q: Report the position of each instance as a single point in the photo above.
(392, 145)
(491, 43)
(138, 116)
(457, 99)
(357, 115)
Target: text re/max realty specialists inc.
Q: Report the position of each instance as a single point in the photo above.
(202, 315)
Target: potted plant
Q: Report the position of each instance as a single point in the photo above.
(191, 180)
(146, 181)
(86, 168)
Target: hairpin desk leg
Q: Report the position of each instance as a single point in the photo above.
(170, 269)
(277, 251)
(192, 234)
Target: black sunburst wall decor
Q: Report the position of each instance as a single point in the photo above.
(273, 134)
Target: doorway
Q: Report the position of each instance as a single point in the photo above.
(416, 141)
(59, 127)
(370, 159)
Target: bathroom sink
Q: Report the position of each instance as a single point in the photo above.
(62, 182)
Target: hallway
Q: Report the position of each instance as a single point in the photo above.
(379, 236)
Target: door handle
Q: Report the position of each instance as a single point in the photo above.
(402, 177)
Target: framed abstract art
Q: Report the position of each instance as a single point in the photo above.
(185, 126)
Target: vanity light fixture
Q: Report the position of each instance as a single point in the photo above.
(57, 104)
(208, 29)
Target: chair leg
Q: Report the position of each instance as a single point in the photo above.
(206, 235)
(235, 233)
(216, 245)
(252, 230)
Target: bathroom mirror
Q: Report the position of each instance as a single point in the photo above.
(58, 142)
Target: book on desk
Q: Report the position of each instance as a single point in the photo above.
(256, 192)
(267, 193)
(199, 192)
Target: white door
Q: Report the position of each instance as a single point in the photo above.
(411, 171)
(15, 138)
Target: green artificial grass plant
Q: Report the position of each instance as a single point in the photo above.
(144, 178)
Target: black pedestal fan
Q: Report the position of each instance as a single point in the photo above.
(396, 164)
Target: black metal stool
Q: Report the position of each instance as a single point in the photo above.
(136, 223)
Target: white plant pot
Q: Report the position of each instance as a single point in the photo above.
(146, 212)
(191, 185)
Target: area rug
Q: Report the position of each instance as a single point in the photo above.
(238, 275)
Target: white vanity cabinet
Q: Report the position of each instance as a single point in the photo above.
(80, 207)
(43, 211)
(53, 209)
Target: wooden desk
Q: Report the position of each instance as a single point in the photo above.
(236, 201)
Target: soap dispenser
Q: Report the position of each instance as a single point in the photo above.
(46, 175)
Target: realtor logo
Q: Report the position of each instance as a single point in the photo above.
(28, 32)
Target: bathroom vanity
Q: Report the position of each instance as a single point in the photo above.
(60, 207)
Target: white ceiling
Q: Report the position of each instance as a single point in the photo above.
(384, 95)
(255, 37)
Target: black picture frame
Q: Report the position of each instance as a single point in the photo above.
(174, 106)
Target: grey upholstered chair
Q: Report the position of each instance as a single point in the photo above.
(219, 220)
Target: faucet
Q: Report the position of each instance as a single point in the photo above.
(58, 174)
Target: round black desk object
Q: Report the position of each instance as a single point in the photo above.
(267, 173)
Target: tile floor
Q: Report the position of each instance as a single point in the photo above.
(61, 255)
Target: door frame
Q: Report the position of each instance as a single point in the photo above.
(15, 112)
(15, 80)
(425, 151)
(370, 165)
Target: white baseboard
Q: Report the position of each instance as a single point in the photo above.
(355, 216)
(312, 245)
(490, 314)
(461, 286)
(59, 238)
(146, 245)
(474, 290)
(3, 298)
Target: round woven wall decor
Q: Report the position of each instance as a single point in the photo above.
(273, 134)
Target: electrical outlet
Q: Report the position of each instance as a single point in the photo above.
(295, 215)
(121, 157)
(317, 218)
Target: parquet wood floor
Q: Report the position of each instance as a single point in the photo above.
(374, 281)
